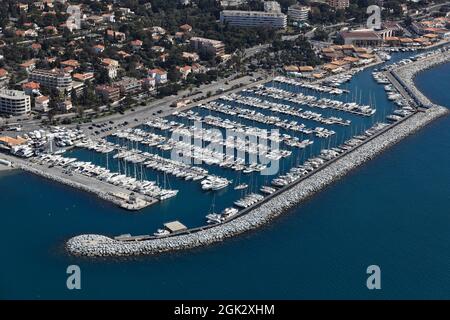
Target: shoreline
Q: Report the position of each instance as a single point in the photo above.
(102, 246)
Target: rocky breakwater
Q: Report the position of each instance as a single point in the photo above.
(98, 245)
(408, 72)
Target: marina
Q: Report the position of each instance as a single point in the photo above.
(324, 223)
(226, 147)
(372, 141)
(97, 245)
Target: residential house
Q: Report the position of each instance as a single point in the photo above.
(136, 44)
(115, 35)
(98, 48)
(149, 83)
(186, 28)
(65, 105)
(128, 85)
(111, 66)
(42, 104)
(184, 71)
(3, 74)
(159, 75)
(82, 77)
(190, 56)
(72, 63)
(31, 87)
(28, 65)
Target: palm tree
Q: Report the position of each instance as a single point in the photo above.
(238, 59)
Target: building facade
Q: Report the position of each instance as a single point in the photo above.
(129, 85)
(298, 13)
(14, 102)
(361, 38)
(108, 93)
(52, 79)
(238, 18)
(210, 46)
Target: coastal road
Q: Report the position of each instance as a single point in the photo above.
(165, 109)
(159, 107)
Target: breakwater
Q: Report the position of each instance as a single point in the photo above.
(406, 74)
(98, 245)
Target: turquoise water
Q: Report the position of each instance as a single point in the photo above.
(392, 212)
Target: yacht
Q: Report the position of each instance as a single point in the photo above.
(161, 232)
(241, 186)
(214, 218)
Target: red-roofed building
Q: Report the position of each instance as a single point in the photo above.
(108, 93)
(115, 35)
(123, 54)
(28, 65)
(87, 76)
(51, 30)
(31, 87)
(36, 47)
(185, 28)
(3, 74)
(136, 44)
(98, 48)
(159, 75)
(184, 71)
(70, 63)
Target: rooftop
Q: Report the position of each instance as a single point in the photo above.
(175, 226)
(12, 94)
(12, 141)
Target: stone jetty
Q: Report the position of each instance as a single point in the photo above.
(407, 73)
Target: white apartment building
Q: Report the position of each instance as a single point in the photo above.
(215, 47)
(298, 13)
(14, 102)
(238, 18)
(53, 79)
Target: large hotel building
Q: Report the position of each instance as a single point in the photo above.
(53, 79)
(238, 18)
(15, 103)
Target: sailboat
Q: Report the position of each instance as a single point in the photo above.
(213, 217)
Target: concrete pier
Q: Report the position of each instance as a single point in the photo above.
(103, 190)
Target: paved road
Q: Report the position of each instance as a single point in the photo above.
(145, 114)
(155, 107)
